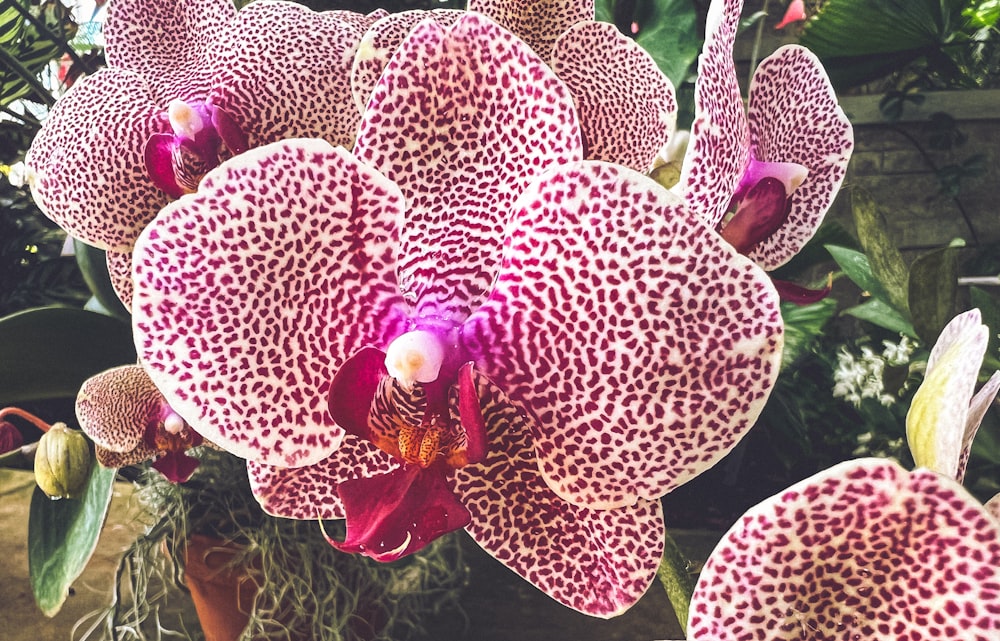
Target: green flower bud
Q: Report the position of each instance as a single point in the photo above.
(62, 462)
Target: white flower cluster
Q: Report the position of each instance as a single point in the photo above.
(860, 377)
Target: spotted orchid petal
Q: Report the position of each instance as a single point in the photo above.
(462, 120)
(978, 407)
(537, 22)
(627, 106)
(237, 288)
(109, 458)
(92, 180)
(392, 515)
(381, 42)
(940, 426)
(599, 562)
(310, 492)
(644, 345)
(993, 507)
(170, 44)
(284, 72)
(120, 273)
(863, 550)
(719, 145)
(795, 118)
(116, 407)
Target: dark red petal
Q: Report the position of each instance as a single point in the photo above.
(392, 515)
(792, 293)
(177, 466)
(471, 414)
(229, 130)
(761, 212)
(353, 389)
(158, 154)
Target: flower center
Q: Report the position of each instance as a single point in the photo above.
(761, 203)
(201, 136)
(415, 357)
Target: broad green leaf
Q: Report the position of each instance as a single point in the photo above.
(859, 40)
(803, 324)
(886, 261)
(934, 292)
(94, 266)
(858, 268)
(62, 536)
(879, 313)
(48, 352)
(667, 30)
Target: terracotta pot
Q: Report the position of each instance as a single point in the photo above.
(223, 594)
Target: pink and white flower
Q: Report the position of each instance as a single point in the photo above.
(764, 175)
(864, 550)
(521, 342)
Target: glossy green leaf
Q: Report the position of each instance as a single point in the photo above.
(934, 292)
(667, 30)
(48, 352)
(803, 325)
(859, 269)
(859, 40)
(887, 264)
(94, 267)
(62, 536)
(880, 313)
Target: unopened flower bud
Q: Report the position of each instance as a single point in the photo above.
(62, 462)
(10, 437)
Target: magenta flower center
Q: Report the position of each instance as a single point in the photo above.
(761, 203)
(201, 136)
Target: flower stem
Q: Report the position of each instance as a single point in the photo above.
(28, 416)
(676, 581)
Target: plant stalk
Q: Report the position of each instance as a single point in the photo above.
(28, 416)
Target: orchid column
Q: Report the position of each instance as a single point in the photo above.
(509, 339)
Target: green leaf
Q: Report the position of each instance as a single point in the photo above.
(886, 261)
(803, 324)
(668, 31)
(879, 313)
(857, 267)
(62, 536)
(934, 292)
(859, 40)
(48, 352)
(94, 267)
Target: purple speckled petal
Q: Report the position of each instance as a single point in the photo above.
(116, 407)
(864, 550)
(363, 21)
(794, 117)
(250, 293)
(382, 41)
(310, 492)
(644, 345)
(627, 106)
(169, 43)
(284, 72)
(599, 562)
(120, 272)
(462, 120)
(993, 507)
(719, 148)
(112, 459)
(538, 22)
(86, 167)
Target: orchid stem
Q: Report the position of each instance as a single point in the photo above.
(28, 416)
(676, 580)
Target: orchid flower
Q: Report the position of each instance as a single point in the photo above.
(508, 338)
(626, 106)
(946, 411)
(864, 550)
(764, 176)
(188, 84)
(130, 422)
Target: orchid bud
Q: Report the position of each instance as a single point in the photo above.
(62, 462)
(10, 437)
